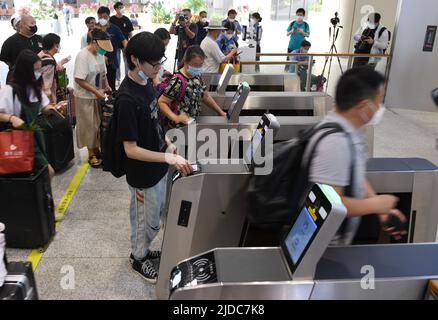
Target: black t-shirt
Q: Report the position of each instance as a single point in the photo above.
(202, 33)
(16, 43)
(140, 123)
(185, 40)
(124, 23)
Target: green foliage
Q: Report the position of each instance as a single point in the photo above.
(29, 126)
(160, 14)
(315, 5)
(195, 5)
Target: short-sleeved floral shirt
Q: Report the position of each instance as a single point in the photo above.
(191, 102)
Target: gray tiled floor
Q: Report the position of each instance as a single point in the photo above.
(94, 236)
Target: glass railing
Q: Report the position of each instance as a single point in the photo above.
(317, 71)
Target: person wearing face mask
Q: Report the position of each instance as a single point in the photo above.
(371, 39)
(125, 24)
(202, 23)
(117, 40)
(51, 46)
(298, 30)
(148, 155)
(89, 87)
(164, 36)
(301, 66)
(257, 33)
(340, 158)
(227, 41)
(23, 99)
(195, 91)
(231, 17)
(215, 57)
(186, 30)
(25, 38)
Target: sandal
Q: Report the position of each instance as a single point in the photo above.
(94, 162)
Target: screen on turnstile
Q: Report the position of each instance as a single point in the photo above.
(306, 226)
(257, 139)
(235, 100)
(226, 75)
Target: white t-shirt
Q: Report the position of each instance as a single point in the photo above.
(11, 105)
(214, 55)
(91, 68)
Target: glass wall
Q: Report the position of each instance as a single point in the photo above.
(285, 9)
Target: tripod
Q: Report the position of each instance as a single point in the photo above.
(179, 50)
(333, 50)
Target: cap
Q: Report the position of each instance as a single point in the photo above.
(103, 39)
(15, 19)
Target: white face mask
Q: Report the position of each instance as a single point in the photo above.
(378, 116)
(254, 21)
(370, 25)
(228, 36)
(231, 20)
(300, 18)
(204, 20)
(103, 22)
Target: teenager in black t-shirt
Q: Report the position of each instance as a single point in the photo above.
(136, 112)
(125, 24)
(25, 38)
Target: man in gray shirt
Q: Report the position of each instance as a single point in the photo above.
(340, 158)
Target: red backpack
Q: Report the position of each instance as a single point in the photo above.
(174, 106)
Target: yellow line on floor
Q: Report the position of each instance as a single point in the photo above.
(37, 254)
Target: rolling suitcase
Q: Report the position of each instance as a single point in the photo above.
(19, 283)
(27, 209)
(58, 137)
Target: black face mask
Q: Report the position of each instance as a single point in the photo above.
(33, 29)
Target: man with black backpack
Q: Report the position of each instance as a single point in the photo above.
(332, 153)
(340, 158)
(136, 146)
(372, 39)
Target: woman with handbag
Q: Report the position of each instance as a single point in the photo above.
(23, 99)
(182, 97)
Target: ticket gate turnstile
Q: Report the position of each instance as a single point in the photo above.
(213, 203)
(402, 272)
(304, 267)
(259, 82)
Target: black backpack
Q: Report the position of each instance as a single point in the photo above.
(114, 157)
(389, 36)
(275, 199)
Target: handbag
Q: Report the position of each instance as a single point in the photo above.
(16, 151)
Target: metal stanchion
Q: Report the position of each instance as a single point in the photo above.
(309, 74)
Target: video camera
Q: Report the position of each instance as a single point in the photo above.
(335, 21)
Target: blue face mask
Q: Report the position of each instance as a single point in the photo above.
(194, 72)
(141, 74)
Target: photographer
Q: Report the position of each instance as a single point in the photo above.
(186, 29)
(372, 39)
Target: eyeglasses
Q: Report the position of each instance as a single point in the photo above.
(158, 65)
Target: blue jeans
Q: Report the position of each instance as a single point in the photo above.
(145, 218)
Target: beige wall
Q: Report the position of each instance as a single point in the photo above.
(414, 73)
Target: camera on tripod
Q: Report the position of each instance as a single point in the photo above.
(335, 21)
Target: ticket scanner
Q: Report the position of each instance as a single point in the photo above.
(305, 267)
